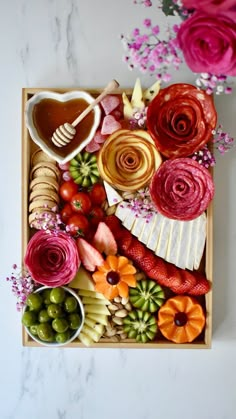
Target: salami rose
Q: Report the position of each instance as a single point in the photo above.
(52, 259)
(182, 189)
(181, 119)
(210, 6)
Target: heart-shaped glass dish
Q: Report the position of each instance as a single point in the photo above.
(47, 110)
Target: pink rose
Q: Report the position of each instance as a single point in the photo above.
(209, 6)
(208, 43)
(52, 259)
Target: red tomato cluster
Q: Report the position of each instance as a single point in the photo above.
(82, 210)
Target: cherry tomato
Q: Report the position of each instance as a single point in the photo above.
(66, 212)
(96, 215)
(78, 225)
(98, 194)
(67, 190)
(81, 203)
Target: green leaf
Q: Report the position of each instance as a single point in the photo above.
(168, 7)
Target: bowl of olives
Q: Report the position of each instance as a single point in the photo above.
(53, 316)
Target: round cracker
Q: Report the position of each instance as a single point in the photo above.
(39, 157)
(44, 194)
(45, 169)
(33, 218)
(41, 182)
(41, 203)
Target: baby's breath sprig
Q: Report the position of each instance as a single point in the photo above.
(222, 141)
(204, 157)
(214, 84)
(22, 285)
(150, 54)
(141, 204)
(138, 119)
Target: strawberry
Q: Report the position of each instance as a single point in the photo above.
(124, 240)
(202, 286)
(90, 257)
(174, 276)
(104, 241)
(135, 251)
(113, 223)
(159, 272)
(188, 282)
(147, 262)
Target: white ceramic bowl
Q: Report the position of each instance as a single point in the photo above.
(60, 97)
(76, 332)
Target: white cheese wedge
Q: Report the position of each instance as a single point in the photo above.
(138, 226)
(113, 197)
(200, 241)
(184, 241)
(146, 230)
(151, 92)
(162, 245)
(154, 234)
(121, 212)
(127, 109)
(129, 220)
(189, 247)
(137, 96)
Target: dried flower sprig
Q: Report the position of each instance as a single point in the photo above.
(204, 157)
(49, 221)
(222, 141)
(22, 285)
(141, 204)
(214, 84)
(138, 119)
(148, 53)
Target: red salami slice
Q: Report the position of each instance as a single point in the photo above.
(181, 119)
(181, 189)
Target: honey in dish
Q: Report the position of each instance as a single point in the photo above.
(49, 114)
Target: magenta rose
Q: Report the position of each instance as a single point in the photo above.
(52, 259)
(209, 6)
(208, 43)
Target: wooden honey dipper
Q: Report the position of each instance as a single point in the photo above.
(66, 132)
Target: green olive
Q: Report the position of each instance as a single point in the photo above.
(62, 337)
(43, 316)
(45, 332)
(74, 321)
(46, 296)
(34, 301)
(57, 295)
(70, 304)
(60, 325)
(55, 311)
(29, 318)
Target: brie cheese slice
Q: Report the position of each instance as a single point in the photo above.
(113, 197)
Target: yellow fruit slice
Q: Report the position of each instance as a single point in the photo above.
(96, 309)
(100, 318)
(89, 300)
(82, 280)
(92, 294)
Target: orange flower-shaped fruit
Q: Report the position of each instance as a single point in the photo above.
(181, 319)
(114, 277)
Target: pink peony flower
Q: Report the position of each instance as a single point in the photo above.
(208, 43)
(52, 259)
(210, 6)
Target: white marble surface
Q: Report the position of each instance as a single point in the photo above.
(72, 43)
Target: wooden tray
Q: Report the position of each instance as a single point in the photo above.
(28, 147)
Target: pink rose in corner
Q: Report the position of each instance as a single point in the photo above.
(208, 43)
(52, 259)
(210, 6)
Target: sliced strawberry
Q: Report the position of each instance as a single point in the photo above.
(90, 257)
(189, 281)
(124, 240)
(110, 125)
(92, 146)
(202, 287)
(104, 241)
(109, 103)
